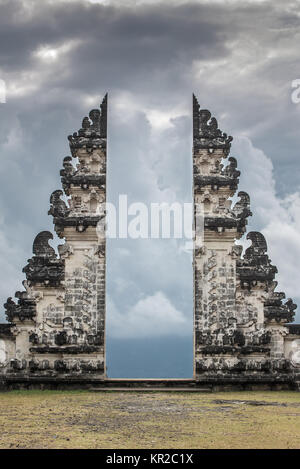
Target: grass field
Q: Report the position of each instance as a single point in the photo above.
(115, 420)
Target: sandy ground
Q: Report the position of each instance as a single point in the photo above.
(115, 420)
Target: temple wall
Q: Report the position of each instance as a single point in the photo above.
(7, 351)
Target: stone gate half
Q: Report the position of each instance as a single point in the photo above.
(56, 328)
(240, 323)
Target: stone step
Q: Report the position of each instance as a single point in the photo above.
(151, 385)
(150, 389)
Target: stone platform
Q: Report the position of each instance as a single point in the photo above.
(207, 384)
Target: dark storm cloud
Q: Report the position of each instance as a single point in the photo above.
(111, 31)
(133, 49)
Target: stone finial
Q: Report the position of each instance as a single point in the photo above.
(41, 247)
(58, 207)
(68, 168)
(259, 245)
(44, 267)
(24, 309)
(206, 133)
(256, 265)
(103, 120)
(291, 305)
(242, 207)
(276, 310)
(231, 169)
(10, 309)
(93, 132)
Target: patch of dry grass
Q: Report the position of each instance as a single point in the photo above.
(54, 419)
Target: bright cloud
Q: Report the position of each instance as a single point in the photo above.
(152, 316)
(277, 217)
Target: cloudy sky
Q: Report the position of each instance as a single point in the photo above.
(59, 57)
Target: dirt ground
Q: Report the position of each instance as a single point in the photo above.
(115, 420)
